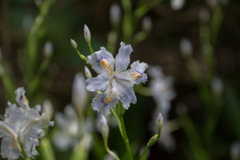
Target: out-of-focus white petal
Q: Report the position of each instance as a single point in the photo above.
(155, 72)
(167, 140)
(48, 108)
(177, 4)
(115, 14)
(79, 93)
(146, 24)
(98, 83)
(64, 141)
(123, 57)
(67, 135)
(96, 57)
(9, 149)
(48, 49)
(235, 151)
(186, 47)
(99, 105)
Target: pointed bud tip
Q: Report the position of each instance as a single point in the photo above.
(48, 49)
(87, 72)
(74, 44)
(87, 34)
(159, 121)
(104, 126)
(146, 24)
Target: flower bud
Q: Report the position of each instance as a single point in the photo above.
(87, 34)
(74, 44)
(48, 49)
(177, 4)
(48, 108)
(115, 14)
(204, 15)
(217, 86)
(159, 121)
(104, 127)
(38, 2)
(87, 72)
(79, 93)
(235, 151)
(146, 24)
(186, 47)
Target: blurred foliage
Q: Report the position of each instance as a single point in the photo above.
(215, 121)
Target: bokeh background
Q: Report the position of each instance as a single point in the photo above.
(212, 27)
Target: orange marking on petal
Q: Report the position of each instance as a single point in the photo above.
(135, 75)
(109, 98)
(105, 64)
(26, 100)
(38, 117)
(12, 145)
(36, 139)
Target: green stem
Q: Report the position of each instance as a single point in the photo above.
(118, 121)
(90, 47)
(82, 56)
(108, 150)
(125, 138)
(24, 153)
(150, 143)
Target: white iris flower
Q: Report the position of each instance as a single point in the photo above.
(70, 129)
(162, 91)
(114, 80)
(21, 126)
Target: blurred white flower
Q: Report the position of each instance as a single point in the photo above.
(21, 126)
(162, 91)
(70, 130)
(146, 24)
(177, 4)
(204, 15)
(79, 93)
(48, 49)
(186, 47)
(217, 86)
(235, 151)
(114, 80)
(48, 108)
(167, 139)
(115, 14)
(67, 135)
